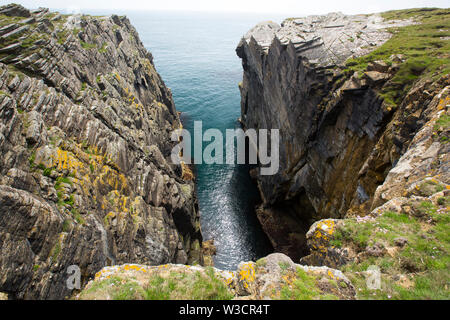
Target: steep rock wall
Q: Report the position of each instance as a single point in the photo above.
(84, 137)
(338, 137)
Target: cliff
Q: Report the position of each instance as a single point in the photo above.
(85, 123)
(364, 121)
(273, 277)
(348, 94)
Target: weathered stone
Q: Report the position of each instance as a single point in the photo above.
(376, 77)
(15, 10)
(314, 37)
(84, 178)
(397, 58)
(209, 250)
(415, 164)
(322, 253)
(379, 66)
(10, 48)
(377, 250)
(266, 280)
(338, 138)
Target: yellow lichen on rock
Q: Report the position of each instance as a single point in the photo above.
(187, 173)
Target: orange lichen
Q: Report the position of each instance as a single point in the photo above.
(64, 160)
(247, 274)
(186, 172)
(322, 234)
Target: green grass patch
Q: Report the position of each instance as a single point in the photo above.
(283, 265)
(115, 287)
(103, 48)
(67, 225)
(62, 36)
(77, 216)
(443, 122)
(261, 263)
(87, 46)
(304, 287)
(61, 180)
(426, 53)
(184, 286)
(424, 260)
(56, 250)
(31, 159)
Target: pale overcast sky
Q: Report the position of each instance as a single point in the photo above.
(288, 7)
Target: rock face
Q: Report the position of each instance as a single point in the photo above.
(338, 138)
(326, 40)
(272, 277)
(85, 124)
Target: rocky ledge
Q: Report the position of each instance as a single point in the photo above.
(348, 94)
(272, 277)
(85, 123)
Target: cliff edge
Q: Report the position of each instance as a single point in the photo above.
(84, 136)
(348, 94)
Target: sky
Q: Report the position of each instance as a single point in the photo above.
(288, 7)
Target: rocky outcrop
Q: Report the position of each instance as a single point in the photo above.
(420, 175)
(272, 277)
(339, 138)
(85, 124)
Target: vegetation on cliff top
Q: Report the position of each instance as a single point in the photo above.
(412, 250)
(425, 46)
(160, 285)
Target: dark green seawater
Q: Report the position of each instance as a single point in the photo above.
(195, 55)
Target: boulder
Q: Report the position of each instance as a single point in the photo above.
(379, 66)
(375, 77)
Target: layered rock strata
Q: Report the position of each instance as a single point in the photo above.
(339, 138)
(85, 180)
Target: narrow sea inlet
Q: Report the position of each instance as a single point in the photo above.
(195, 55)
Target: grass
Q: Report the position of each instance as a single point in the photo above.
(62, 36)
(77, 216)
(69, 201)
(443, 123)
(87, 46)
(30, 40)
(103, 48)
(56, 250)
(283, 265)
(47, 172)
(261, 263)
(60, 192)
(32, 158)
(424, 260)
(182, 286)
(303, 287)
(76, 31)
(5, 20)
(426, 54)
(67, 225)
(61, 180)
(172, 286)
(115, 287)
(441, 128)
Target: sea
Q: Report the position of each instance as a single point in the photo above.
(194, 52)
